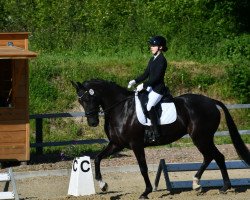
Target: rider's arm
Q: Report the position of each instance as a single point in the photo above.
(156, 75)
(144, 76)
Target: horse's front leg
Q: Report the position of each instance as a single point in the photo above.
(140, 156)
(109, 150)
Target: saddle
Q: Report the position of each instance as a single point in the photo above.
(143, 97)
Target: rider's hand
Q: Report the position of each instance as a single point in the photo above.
(131, 83)
(139, 87)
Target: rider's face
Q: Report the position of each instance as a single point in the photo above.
(154, 49)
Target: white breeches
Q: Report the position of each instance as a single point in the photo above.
(153, 98)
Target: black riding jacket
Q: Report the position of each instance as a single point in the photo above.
(155, 72)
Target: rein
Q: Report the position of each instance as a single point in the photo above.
(116, 104)
(109, 108)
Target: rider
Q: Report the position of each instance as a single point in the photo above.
(154, 73)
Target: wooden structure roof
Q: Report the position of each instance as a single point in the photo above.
(15, 46)
(13, 52)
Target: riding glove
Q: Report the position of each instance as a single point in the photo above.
(131, 83)
(139, 87)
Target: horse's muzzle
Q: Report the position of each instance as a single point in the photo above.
(93, 122)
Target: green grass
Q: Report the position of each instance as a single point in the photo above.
(52, 92)
(50, 75)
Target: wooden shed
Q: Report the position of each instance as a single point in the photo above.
(14, 96)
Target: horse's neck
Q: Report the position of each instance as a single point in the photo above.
(112, 99)
(110, 94)
(119, 111)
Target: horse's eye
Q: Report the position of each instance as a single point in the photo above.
(86, 98)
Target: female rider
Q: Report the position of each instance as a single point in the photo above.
(154, 73)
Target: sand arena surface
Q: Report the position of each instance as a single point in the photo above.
(129, 185)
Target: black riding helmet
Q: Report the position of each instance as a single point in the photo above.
(159, 41)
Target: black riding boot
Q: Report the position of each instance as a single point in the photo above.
(155, 126)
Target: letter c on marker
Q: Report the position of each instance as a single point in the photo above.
(85, 170)
(75, 162)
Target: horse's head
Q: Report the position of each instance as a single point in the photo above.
(90, 102)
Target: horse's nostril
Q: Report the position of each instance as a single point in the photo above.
(93, 123)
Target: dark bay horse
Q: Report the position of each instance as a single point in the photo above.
(197, 116)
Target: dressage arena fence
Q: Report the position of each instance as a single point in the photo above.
(39, 144)
(180, 167)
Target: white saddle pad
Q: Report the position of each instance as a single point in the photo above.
(168, 115)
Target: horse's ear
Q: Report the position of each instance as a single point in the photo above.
(79, 84)
(75, 85)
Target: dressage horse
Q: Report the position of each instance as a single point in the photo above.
(197, 115)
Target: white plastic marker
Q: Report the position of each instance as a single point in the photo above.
(81, 179)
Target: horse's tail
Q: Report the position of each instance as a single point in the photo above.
(238, 143)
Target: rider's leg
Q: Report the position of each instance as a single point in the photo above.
(153, 99)
(155, 124)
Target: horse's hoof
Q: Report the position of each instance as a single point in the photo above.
(105, 187)
(224, 189)
(143, 197)
(222, 192)
(196, 186)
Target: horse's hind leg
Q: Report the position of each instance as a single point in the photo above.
(209, 153)
(206, 161)
(204, 145)
(220, 160)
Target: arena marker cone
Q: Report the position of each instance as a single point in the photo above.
(81, 179)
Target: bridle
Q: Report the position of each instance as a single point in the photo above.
(94, 112)
(80, 97)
